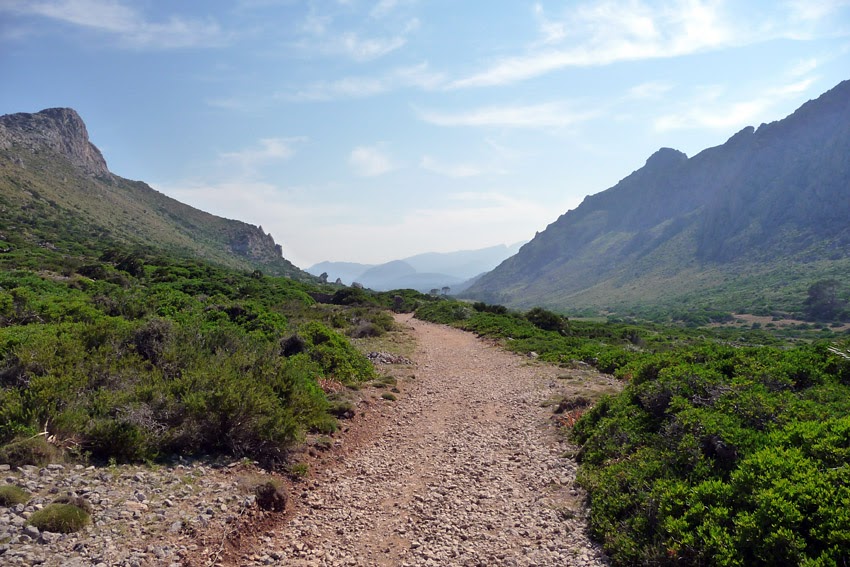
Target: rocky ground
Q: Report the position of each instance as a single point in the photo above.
(141, 515)
(464, 468)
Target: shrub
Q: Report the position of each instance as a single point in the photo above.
(11, 495)
(29, 451)
(547, 320)
(60, 518)
(335, 355)
(270, 496)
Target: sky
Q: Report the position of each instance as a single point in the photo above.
(373, 130)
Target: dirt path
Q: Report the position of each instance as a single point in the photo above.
(466, 469)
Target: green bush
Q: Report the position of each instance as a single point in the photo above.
(11, 495)
(60, 518)
(335, 355)
(28, 451)
(722, 456)
(547, 320)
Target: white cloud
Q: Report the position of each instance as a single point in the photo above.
(544, 115)
(383, 7)
(808, 10)
(551, 31)
(611, 31)
(414, 76)
(649, 90)
(128, 25)
(711, 109)
(456, 170)
(366, 49)
(362, 47)
(267, 150)
(606, 32)
(370, 161)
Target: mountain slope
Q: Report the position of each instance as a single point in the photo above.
(740, 226)
(56, 189)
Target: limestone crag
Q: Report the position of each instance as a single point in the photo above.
(60, 130)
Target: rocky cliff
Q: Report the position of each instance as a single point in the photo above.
(55, 185)
(57, 130)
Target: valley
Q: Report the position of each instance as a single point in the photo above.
(660, 377)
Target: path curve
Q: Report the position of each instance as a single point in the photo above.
(467, 470)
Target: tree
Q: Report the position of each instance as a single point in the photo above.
(823, 303)
(434, 292)
(446, 289)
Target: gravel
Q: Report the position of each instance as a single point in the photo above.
(465, 469)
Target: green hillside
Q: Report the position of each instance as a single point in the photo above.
(54, 190)
(747, 226)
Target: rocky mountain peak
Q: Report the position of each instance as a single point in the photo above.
(59, 130)
(666, 157)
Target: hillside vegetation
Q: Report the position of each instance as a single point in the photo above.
(133, 327)
(724, 448)
(56, 193)
(745, 227)
(134, 356)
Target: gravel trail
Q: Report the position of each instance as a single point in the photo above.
(466, 468)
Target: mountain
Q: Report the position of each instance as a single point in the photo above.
(745, 225)
(463, 264)
(56, 190)
(423, 272)
(345, 271)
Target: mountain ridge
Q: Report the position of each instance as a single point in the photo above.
(423, 272)
(767, 200)
(50, 172)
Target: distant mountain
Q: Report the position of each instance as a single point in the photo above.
(745, 225)
(56, 190)
(423, 272)
(348, 272)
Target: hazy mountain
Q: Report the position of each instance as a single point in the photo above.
(742, 225)
(422, 272)
(56, 188)
(463, 264)
(348, 272)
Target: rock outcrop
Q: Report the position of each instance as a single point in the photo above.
(60, 130)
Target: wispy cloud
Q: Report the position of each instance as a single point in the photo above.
(454, 170)
(544, 115)
(366, 49)
(126, 23)
(649, 90)
(710, 108)
(370, 161)
(321, 37)
(413, 76)
(807, 10)
(267, 150)
(612, 31)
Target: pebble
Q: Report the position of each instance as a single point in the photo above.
(138, 512)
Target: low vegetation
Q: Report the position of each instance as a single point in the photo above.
(717, 452)
(132, 356)
(11, 495)
(60, 518)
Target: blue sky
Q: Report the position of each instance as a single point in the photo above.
(373, 130)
